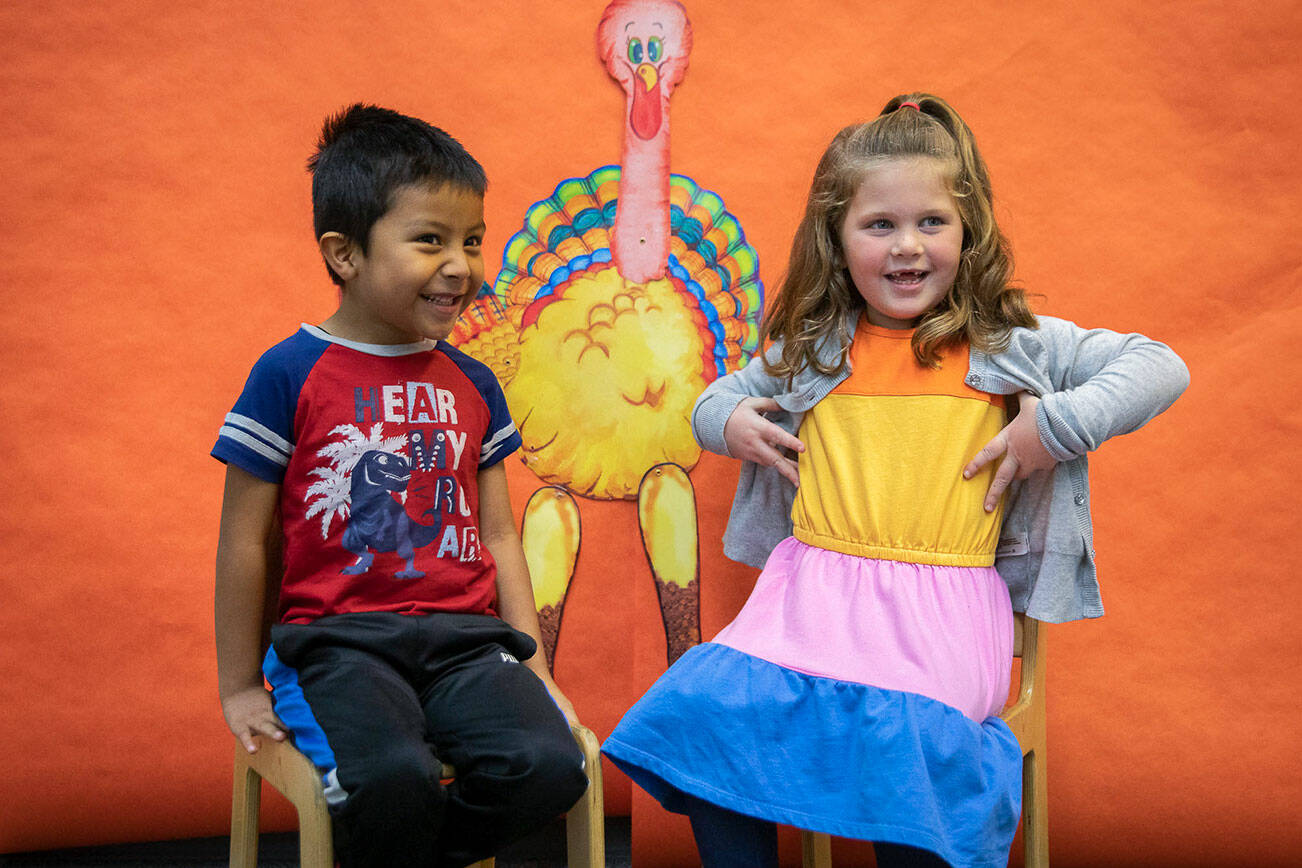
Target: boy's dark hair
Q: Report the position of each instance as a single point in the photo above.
(366, 154)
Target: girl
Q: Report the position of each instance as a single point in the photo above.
(858, 691)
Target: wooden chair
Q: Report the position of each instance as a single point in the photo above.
(289, 771)
(1025, 716)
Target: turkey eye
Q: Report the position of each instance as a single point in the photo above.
(653, 49)
(635, 50)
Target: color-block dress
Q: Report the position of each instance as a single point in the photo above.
(857, 691)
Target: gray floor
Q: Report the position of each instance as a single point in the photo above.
(545, 849)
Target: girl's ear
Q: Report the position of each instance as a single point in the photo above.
(340, 253)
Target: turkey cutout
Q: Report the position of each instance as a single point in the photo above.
(624, 295)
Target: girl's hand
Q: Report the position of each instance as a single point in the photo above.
(751, 437)
(1019, 443)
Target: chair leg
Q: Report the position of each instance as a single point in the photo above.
(246, 799)
(585, 832)
(315, 845)
(1035, 810)
(585, 827)
(816, 849)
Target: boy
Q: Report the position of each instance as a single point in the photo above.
(366, 458)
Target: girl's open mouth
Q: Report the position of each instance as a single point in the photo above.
(906, 278)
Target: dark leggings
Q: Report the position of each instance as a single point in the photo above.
(726, 839)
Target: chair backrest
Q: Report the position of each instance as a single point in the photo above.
(1027, 717)
(1028, 644)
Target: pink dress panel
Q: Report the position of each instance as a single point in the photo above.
(940, 631)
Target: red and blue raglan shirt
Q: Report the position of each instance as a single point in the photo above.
(377, 451)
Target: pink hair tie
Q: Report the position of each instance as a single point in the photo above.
(912, 105)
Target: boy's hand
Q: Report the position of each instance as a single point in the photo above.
(751, 437)
(561, 701)
(1019, 443)
(248, 714)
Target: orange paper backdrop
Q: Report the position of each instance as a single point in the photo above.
(158, 237)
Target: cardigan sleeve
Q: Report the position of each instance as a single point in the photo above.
(1102, 384)
(720, 398)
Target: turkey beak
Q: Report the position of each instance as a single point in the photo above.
(649, 75)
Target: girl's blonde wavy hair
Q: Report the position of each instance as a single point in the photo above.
(817, 294)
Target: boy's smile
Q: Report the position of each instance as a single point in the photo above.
(423, 266)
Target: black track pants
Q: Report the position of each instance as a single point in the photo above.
(396, 695)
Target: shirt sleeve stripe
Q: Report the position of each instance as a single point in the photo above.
(494, 442)
(244, 439)
(256, 428)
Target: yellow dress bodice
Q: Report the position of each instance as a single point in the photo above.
(881, 475)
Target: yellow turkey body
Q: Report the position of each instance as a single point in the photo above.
(605, 382)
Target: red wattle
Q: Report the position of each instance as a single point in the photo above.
(644, 117)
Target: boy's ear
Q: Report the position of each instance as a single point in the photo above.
(340, 253)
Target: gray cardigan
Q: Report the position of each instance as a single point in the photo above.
(1092, 383)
